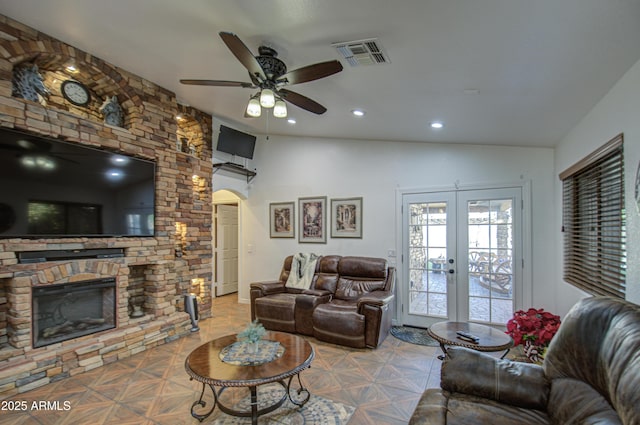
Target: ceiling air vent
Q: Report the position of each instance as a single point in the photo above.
(362, 52)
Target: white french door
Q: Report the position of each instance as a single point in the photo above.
(461, 256)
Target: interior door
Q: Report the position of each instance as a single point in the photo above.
(227, 249)
(460, 255)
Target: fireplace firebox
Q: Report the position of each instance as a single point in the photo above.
(71, 310)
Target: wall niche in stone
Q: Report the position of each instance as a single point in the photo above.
(55, 70)
(193, 133)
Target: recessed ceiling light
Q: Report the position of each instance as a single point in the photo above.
(436, 125)
(291, 121)
(358, 112)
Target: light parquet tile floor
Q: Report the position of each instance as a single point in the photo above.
(152, 387)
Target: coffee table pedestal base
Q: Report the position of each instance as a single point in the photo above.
(255, 412)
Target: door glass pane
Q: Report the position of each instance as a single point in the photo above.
(427, 258)
(490, 227)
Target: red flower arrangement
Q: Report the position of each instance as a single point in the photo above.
(536, 326)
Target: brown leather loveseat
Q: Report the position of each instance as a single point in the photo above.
(590, 375)
(350, 301)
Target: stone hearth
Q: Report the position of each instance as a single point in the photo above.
(24, 366)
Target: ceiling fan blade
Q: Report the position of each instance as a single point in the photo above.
(302, 101)
(218, 83)
(311, 72)
(244, 55)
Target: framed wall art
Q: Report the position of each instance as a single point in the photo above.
(346, 218)
(313, 219)
(282, 220)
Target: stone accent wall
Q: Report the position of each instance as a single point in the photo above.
(152, 269)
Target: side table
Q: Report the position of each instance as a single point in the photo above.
(490, 339)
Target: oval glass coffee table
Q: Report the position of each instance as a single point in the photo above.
(220, 364)
(489, 339)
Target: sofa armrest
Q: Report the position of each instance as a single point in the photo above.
(375, 298)
(431, 408)
(472, 372)
(305, 304)
(269, 287)
(261, 289)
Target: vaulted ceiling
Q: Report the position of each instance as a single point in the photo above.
(506, 72)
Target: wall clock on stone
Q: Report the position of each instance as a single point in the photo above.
(75, 92)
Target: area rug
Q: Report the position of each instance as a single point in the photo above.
(318, 410)
(417, 336)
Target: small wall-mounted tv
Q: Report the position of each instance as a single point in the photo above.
(51, 188)
(236, 142)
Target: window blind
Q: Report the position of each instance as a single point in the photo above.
(594, 222)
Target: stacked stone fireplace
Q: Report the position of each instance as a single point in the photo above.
(143, 306)
(62, 317)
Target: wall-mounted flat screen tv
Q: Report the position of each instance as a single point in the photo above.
(236, 142)
(51, 188)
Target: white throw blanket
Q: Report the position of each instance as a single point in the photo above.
(303, 267)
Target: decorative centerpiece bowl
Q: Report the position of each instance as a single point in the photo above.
(251, 335)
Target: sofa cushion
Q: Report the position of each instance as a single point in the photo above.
(575, 402)
(360, 275)
(353, 288)
(363, 267)
(326, 277)
(438, 406)
(326, 282)
(464, 409)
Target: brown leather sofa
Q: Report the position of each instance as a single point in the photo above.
(350, 301)
(590, 375)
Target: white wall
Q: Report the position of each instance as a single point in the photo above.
(289, 168)
(617, 112)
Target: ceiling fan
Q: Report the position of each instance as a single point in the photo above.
(269, 74)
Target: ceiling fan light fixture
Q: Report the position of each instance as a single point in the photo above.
(267, 98)
(253, 108)
(280, 109)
